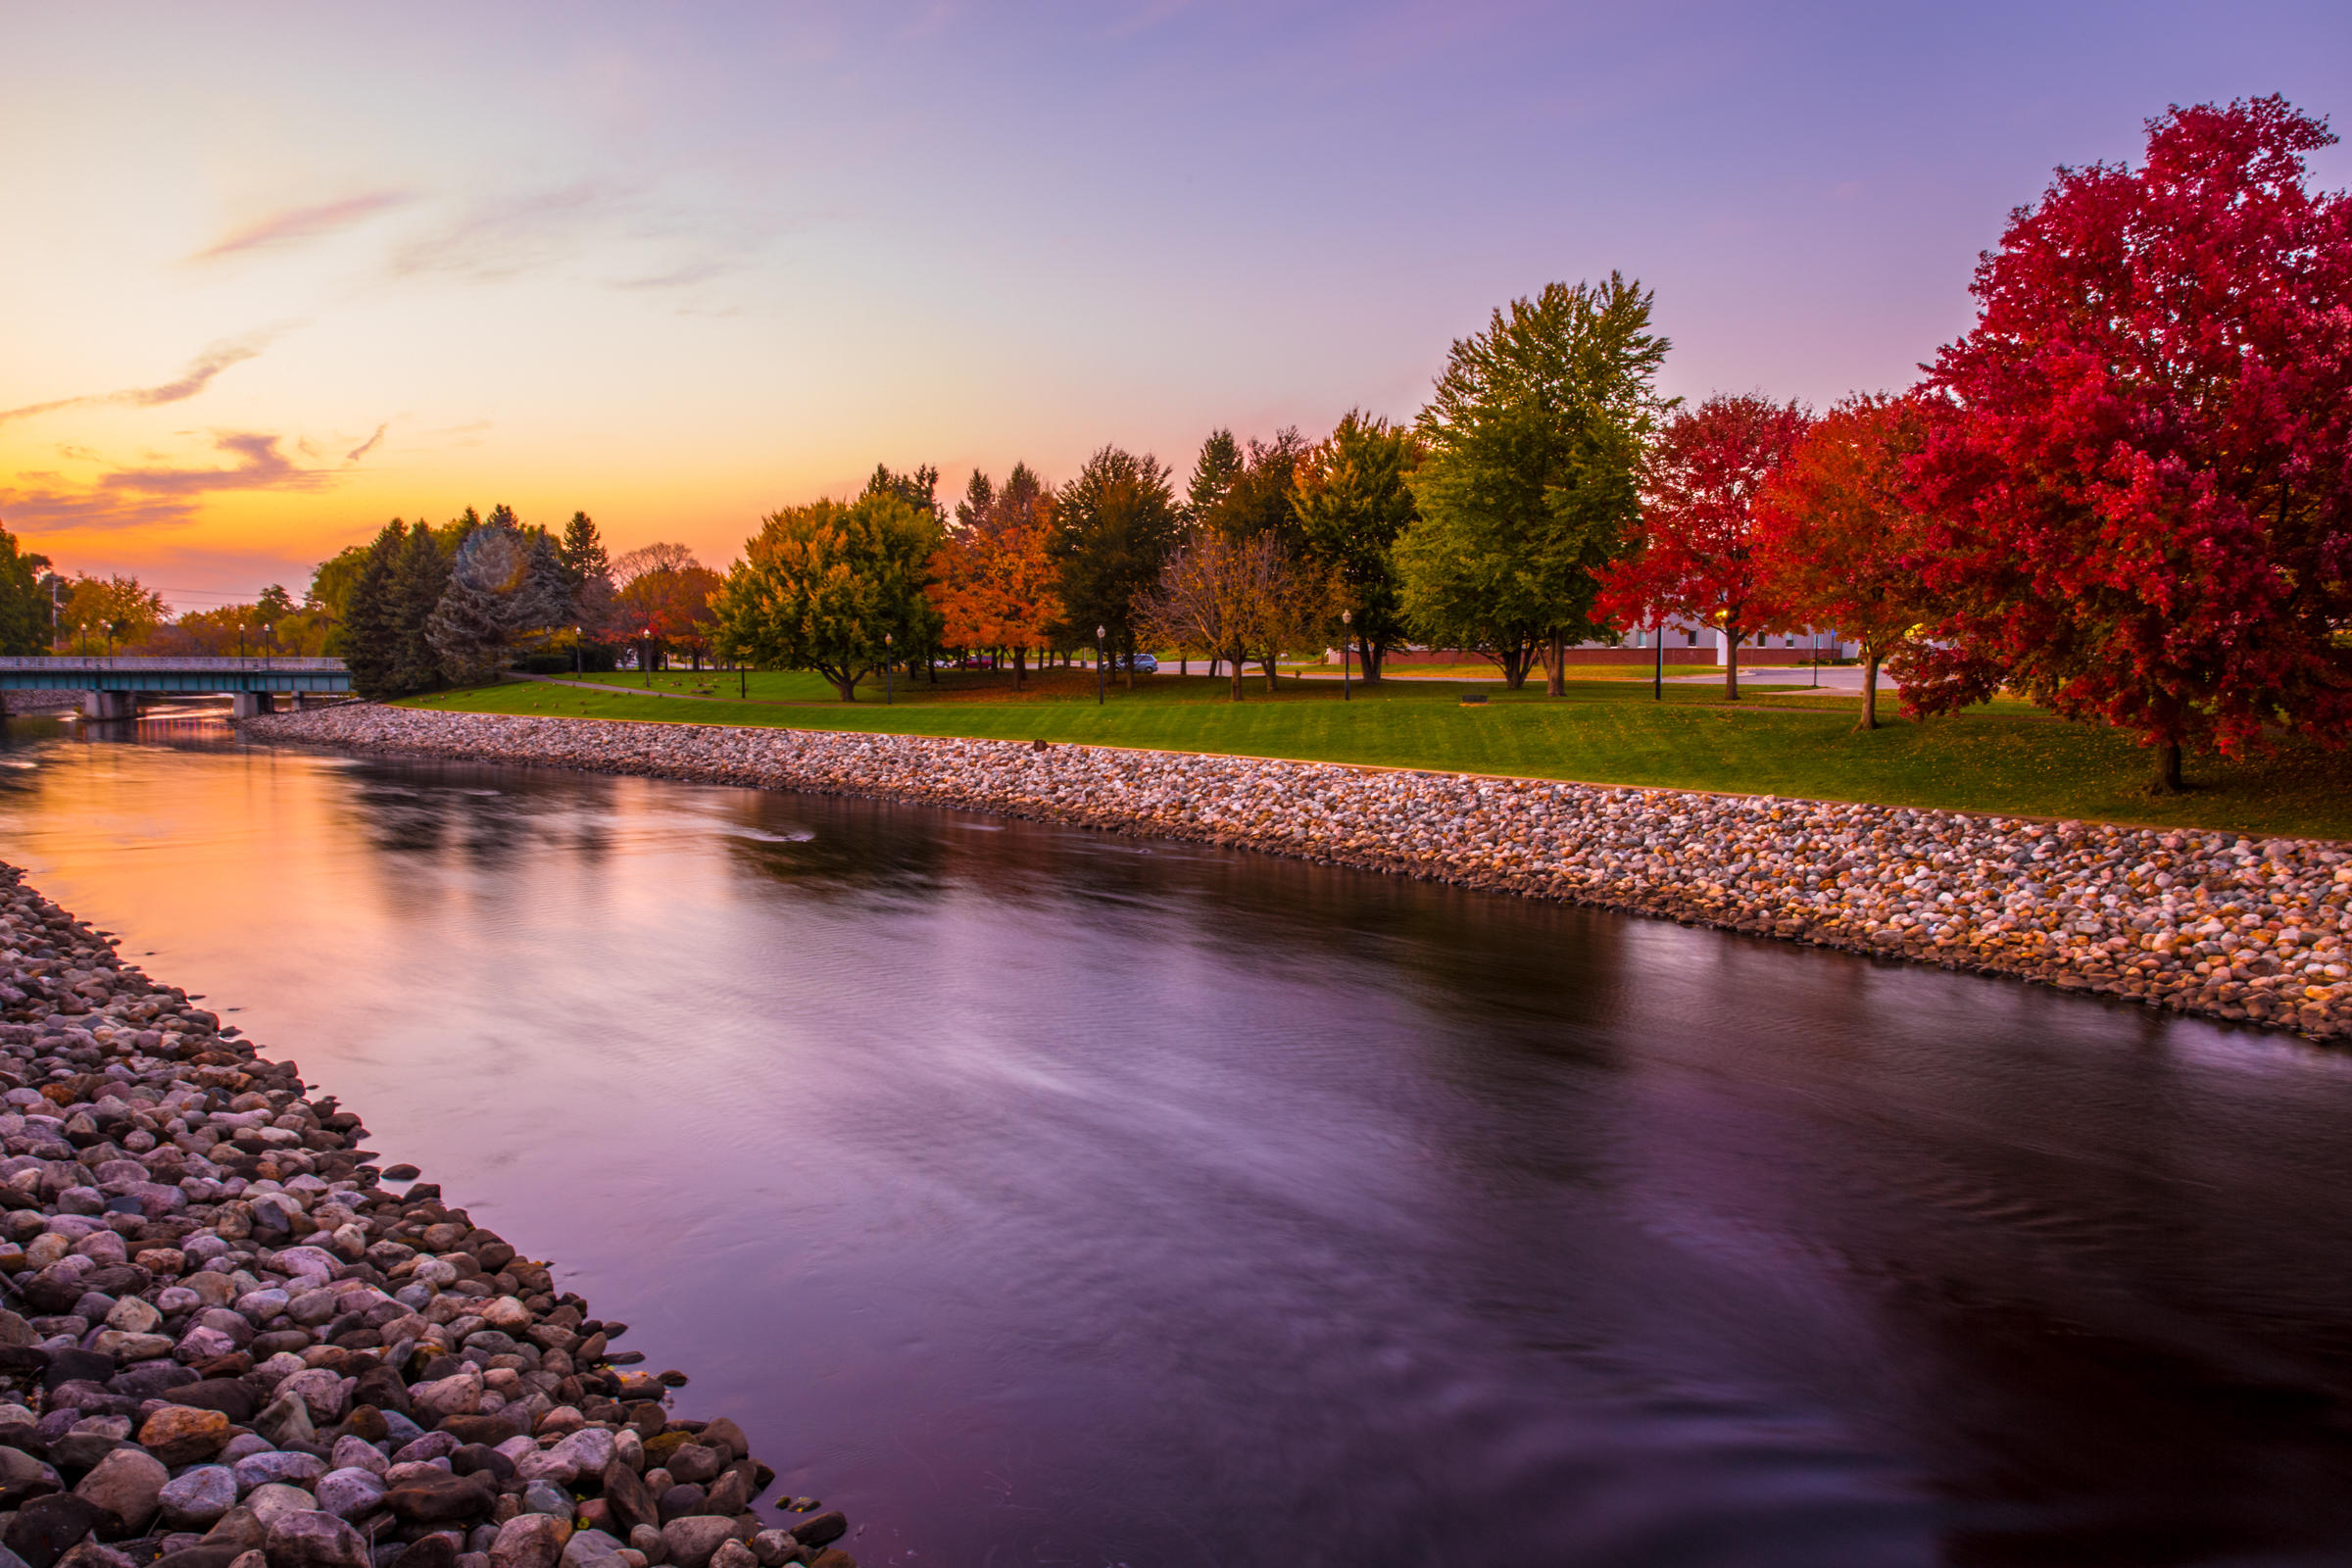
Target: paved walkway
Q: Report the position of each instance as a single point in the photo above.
(1845, 679)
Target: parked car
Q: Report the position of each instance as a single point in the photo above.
(1147, 664)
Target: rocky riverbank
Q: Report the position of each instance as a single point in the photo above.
(2212, 923)
(228, 1343)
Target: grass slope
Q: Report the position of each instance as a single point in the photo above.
(2009, 761)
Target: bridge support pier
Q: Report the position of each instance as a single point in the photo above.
(110, 704)
(250, 705)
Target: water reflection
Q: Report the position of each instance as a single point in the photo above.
(1054, 1197)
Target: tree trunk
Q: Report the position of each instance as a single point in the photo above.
(2168, 770)
(1268, 661)
(1870, 690)
(1372, 652)
(1234, 665)
(1514, 669)
(1020, 667)
(1730, 664)
(1555, 680)
(847, 688)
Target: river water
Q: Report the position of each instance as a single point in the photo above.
(1041, 1196)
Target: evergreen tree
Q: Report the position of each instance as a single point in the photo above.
(370, 634)
(417, 589)
(1113, 528)
(507, 586)
(1212, 475)
(1256, 498)
(918, 489)
(978, 505)
(583, 550)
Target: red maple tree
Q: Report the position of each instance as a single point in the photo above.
(1836, 533)
(1695, 553)
(2140, 476)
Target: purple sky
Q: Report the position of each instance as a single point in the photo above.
(297, 268)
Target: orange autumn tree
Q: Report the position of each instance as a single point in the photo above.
(994, 583)
(1837, 535)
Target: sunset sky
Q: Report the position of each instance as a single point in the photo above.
(273, 275)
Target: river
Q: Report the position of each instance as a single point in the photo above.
(1043, 1196)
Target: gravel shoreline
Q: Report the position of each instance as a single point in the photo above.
(228, 1344)
(2211, 923)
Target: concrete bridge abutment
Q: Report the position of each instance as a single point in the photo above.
(251, 705)
(110, 704)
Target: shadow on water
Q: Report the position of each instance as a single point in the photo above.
(1048, 1197)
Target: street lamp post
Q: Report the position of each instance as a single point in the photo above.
(1100, 632)
(1346, 619)
(579, 657)
(890, 669)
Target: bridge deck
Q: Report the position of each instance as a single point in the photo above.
(74, 673)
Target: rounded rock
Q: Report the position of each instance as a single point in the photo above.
(197, 1497)
(530, 1541)
(310, 1539)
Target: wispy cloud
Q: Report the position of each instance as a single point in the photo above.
(292, 226)
(501, 238)
(679, 277)
(195, 378)
(367, 446)
(165, 494)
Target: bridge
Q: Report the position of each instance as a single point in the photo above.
(113, 685)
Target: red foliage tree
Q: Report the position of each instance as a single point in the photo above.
(2140, 474)
(1837, 537)
(1695, 553)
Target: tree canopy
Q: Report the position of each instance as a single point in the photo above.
(820, 588)
(24, 609)
(2140, 476)
(1696, 553)
(1837, 535)
(1113, 526)
(1352, 496)
(1534, 434)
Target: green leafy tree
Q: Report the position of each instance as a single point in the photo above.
(112, 610)
(822, 586)
(331, 585)
(25, 609)
(1353, 496)
(1113, 528)
(1535, 436)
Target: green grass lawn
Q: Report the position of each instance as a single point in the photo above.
(2009, 760)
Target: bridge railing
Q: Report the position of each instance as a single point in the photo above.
(133, 664)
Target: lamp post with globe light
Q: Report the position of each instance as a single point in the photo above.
(1346, 619)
